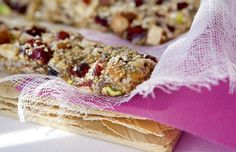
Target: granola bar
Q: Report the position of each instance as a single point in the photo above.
(86, 64)
(145, 22)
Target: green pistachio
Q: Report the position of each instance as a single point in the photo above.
(179, 18)
(4, 10)
(110, 91)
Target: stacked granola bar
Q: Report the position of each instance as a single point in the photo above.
(146, 22)
(86, 64)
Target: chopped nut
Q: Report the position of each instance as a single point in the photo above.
(154, 35)
(8, 51)
(119, 24)
(116, 72)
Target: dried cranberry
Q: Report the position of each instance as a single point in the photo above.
(98, 70)
(41, 55)
(159, 2)
(105, 2)
(34, 31)
(52, 72)
(182, 5)
(79, 70)
(87, 1)
(101, 21)
(62, 35)
(171, 28)
(86, 83)
(4, 35)
(136, 32)
(138, 2)
(16, 6)
(151, 57)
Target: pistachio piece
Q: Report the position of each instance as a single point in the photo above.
(4, 9)
(109, 91)
(8, 51)
(154, 35)
(119, 23)
(179, 18)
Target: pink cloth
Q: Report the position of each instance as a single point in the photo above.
(191, 143)
(209, 114)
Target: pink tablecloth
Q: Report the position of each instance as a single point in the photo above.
(191, 143)
(209, 114)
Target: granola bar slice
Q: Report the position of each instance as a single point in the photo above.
(145, 22)
(86, 64)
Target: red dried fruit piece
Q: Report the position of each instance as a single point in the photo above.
(34, 31)
(41, 55)
(87, 1)
(136, 32)
(16, 6)
(98, 69)
(171, 28)
(154, 59)
(4, 35)
(105, 2)
(138, 2)
(62, 35)
(182, 5)
(86, 83)
(159, 2)
(80, 70)
(101, 21)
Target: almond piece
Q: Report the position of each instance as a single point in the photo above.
(119, 24)
(154, 35)
(116, 72)
(8, 51)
